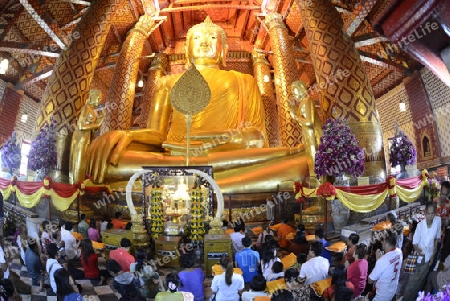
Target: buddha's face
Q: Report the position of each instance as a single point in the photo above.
(205, 44)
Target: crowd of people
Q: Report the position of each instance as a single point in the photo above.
(282, 264)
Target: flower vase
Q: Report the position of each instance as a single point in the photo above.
(342, 180)
(402, 174)
(40, 174)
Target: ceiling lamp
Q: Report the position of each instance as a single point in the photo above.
(3, 66)
(402, 105)
(140, 83)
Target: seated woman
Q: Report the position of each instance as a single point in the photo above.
(357, 271)
(92, 232)
(277, 272)
(267, 259)
(262, 236)
(64, 289)
(89, 260)
(340, 289)
(300, 292)
(191, 278)
(437, 279)
(257, 288)
(173, 283)
(8, 291)
(227, 285)
(300, 244)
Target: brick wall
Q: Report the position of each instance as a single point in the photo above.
(9, 109)
(439, 95)
(422, 116)
(26, 131)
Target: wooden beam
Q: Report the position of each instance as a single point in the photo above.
(34, 10)
(379, 61)
(25, 48)
(359, 14)
(210, 7)
(371, 41)
(46, 72)
(81, 2)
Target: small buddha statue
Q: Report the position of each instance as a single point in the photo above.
(90, 119)
(229, 133)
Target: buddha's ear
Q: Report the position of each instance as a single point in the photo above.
(224, 54)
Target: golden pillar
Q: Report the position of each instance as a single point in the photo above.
(261, 71)
(345, 88)
(68, 86)
(122, 89)
(156, 70)
(285, 74)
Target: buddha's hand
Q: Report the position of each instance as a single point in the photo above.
(104, 150)
(294, 105)
(235, 138)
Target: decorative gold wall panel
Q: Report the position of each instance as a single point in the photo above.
(345, 88)
(68, 86)
(157, 70)
(261, 70)
(122, 89)
(285, 74)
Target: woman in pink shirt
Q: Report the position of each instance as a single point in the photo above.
(92, 231)
(357, 271)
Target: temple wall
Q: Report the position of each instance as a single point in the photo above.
(25, 130)
(439, 95)
(388, 109)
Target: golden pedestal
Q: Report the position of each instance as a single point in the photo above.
(112, 237)
(215, 245)
(167, 251)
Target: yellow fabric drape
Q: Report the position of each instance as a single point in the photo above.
(361, 203)
(410, 195)
(29, 201)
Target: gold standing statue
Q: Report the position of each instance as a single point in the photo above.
(228, 134)
(303, 110)
(89, 120)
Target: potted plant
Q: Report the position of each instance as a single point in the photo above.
(402, 151)
(11, 154)
(339, 154)
(42, 155)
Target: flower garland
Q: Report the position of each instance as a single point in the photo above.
(197, 222)
(11, 154)
(402, 151)
(156, 211)
(42, 155)
(338, 151)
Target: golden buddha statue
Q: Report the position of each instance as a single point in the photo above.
(88, 121)
(303, 110)
(228, 134)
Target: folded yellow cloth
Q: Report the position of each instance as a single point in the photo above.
(337, 247)
(406, 230)
(257, 230)
(320, 286)
(273, 286)
(275, 227)
(288, 261)
(311, 209)
(77, 235)
(290, 236)
(382, 226)
(218, 270)
(98, 245)
(261, 298)
(310, 237)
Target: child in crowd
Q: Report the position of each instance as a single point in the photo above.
(257, 288)
(301, 259)
(64, 289)
(173, 282)
(123, 281)
(277, 272)
(92, 232)
(149, 281)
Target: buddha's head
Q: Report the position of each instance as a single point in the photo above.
(95, 97)
(299, 89)
(206, 44)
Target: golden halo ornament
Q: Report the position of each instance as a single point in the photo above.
(191, 93)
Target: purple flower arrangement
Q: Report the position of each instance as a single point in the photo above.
(42, 155)
(402, 151)
(339, 151)
(439, 296)
(11, 154)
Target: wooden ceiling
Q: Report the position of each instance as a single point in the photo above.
(33, 32)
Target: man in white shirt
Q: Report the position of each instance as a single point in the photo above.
(236, 238)
(425, 242)
(387, 269)
(70, 243)
(316, 268)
